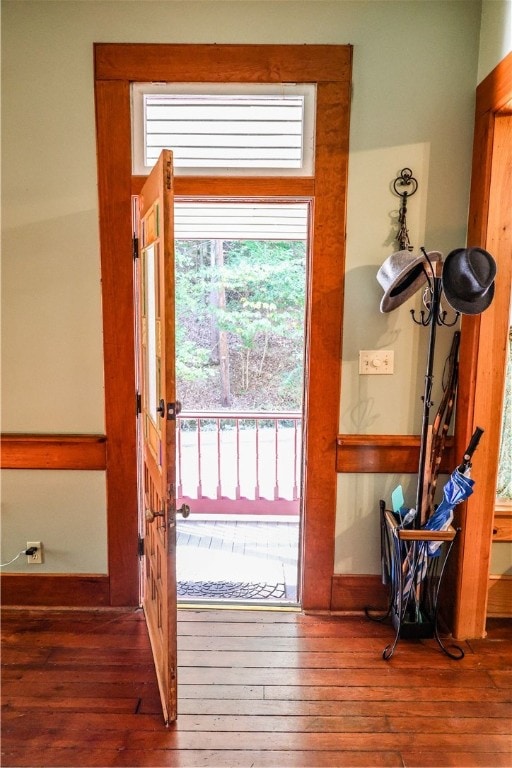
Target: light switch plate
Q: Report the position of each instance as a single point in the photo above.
(376, 361)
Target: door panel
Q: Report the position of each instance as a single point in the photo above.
(158, 422)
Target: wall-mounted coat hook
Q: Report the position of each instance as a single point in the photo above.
(405, 185)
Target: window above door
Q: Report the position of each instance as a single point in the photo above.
(236, 129)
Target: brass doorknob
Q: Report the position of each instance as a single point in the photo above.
(184, 510)
(150, 515)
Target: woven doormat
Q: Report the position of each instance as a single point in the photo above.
(232, 590)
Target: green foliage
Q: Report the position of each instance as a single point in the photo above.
(255, 294)
(191, 360)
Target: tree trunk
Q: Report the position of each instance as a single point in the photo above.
(220, 343)
(214, 303)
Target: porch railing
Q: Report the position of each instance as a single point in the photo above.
(243, 463)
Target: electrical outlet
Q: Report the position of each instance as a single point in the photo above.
(37, 557)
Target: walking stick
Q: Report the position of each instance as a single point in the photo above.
(441, 424)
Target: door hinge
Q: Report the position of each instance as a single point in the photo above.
(135, 247)
(138, 403)
(140, 547)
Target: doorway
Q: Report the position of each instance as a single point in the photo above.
(328, 69)
(241, 274)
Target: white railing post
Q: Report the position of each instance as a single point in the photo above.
(199, 476)
(223, 477)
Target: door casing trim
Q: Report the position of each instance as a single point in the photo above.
(329, 66)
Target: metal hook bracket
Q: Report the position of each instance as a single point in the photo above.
(405, 186)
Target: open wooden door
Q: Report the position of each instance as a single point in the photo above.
(158, 422)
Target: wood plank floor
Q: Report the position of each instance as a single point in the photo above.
(256, 688)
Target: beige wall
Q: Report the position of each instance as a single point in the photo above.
(495, 35)
(414, 77)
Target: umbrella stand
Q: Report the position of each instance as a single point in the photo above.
(413, 562)
(414, 580)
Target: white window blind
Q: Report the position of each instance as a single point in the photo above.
(229, 131)
(240, 221)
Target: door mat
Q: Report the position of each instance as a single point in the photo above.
(232, 590)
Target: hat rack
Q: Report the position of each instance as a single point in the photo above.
(407, 180)
(433, 317)
(466, 279)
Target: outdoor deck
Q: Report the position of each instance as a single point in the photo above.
(238, 560)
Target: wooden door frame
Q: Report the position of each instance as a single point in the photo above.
(483, 354)
(329, 67)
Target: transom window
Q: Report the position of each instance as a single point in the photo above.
(224, 129)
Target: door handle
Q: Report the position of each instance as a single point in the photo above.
(169, 411)
(184, 510)
(150, 515)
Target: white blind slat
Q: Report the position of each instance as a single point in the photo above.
(227, 129)
(215, 131)
(245, 221)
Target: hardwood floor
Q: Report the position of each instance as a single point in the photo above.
(257, 688)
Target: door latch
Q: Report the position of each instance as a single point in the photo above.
(184, 510)
(170, 411)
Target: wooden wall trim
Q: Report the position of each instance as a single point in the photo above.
(385, 453)
(258, 186)
(483, 350)
(55, 589)
(326, 284)
(191, 63)
(357, 592)
(500, 596)
(502, 523)
(493, 93)
(86, 452)
(113, 137)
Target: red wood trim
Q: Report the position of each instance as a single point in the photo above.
(53, 451)
(325, 323)
(493, 93)
(500, 596)
(55, 589)
(355, 593)
(114, 188)
(190, 63)
(194, 186)
(482, 355)
(385, 453)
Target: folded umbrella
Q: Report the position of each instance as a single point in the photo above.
(458, 488)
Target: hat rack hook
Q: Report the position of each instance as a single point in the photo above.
(407, 180)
